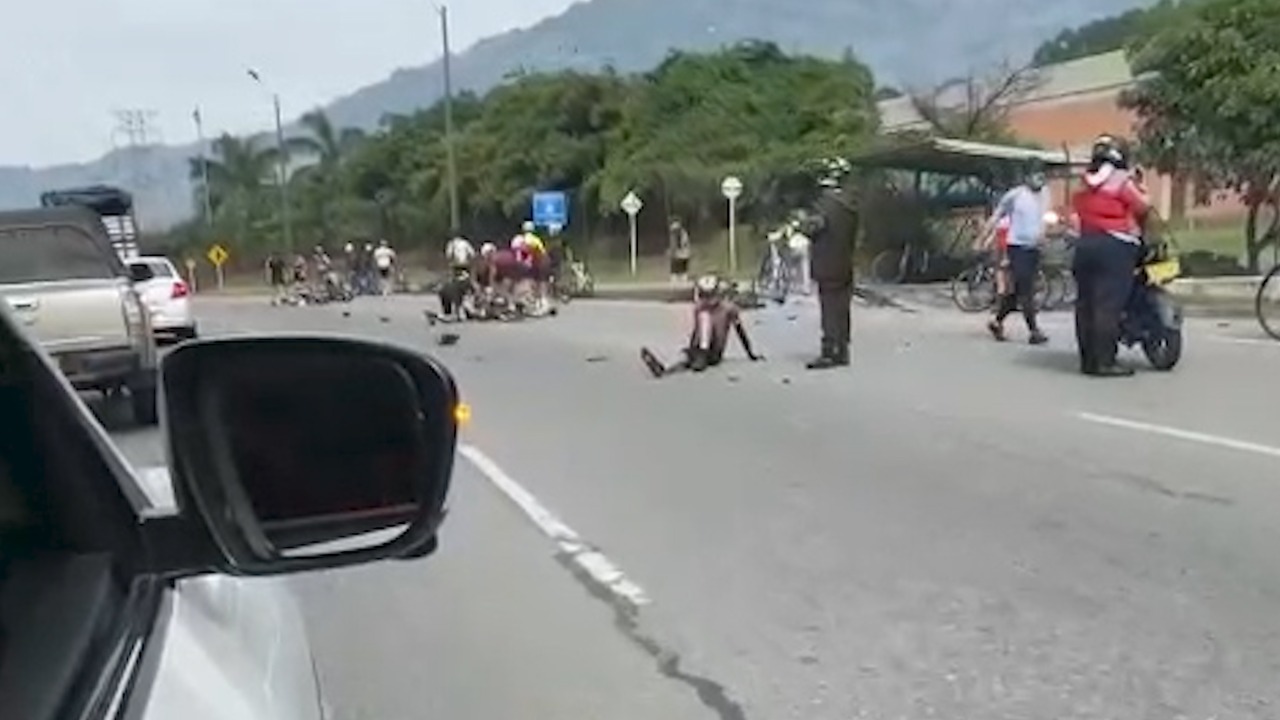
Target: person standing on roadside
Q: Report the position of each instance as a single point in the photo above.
(1024, 207)
(832, 231)
(1110, 212)
(275, 268)
(680, 250)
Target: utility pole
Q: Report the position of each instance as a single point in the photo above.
(204, 167)
(450, 160)
(282, 171)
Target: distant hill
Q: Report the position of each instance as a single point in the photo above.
(906, 42)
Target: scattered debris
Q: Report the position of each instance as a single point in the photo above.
(346, 313)
(448, 339)
(597, 358)
(384, 318)
(786, 381)
(733, 378)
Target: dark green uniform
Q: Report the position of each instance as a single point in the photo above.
(833, 232)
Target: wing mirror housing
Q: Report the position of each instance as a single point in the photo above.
(301, 453)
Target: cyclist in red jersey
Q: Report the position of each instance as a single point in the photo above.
(1110, 210)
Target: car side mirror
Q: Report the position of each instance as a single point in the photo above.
(141, 272)
(291, 449)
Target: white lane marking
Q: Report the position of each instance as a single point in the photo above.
(1207, 439)
(1246, 341)
(593, 562)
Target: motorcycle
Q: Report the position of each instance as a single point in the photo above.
(1153, 318)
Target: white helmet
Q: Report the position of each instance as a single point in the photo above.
(349, 248)
(707, 284)
(832, 172)
(528, 226)
(488, 249)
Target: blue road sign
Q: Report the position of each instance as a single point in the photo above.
(550, 208)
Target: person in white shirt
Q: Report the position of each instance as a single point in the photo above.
(459, 252)
(384, 259)
(798, 244)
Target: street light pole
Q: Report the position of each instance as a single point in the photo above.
(285, 218)
(204, 167)
(450, 160)
(282, 169)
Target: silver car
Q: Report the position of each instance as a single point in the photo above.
(68, 288)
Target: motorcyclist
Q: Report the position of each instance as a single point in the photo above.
(714, 315)
(1109, 211)
(832, 229)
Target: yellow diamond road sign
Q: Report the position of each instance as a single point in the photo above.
(217, 255)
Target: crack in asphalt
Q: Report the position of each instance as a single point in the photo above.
(626, 618)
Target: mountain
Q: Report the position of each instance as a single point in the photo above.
(911, 43)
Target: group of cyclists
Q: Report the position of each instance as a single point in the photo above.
(361, 269)
(493, 282)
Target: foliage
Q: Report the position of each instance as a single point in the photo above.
(1106, 35)
(1209, 105)
(670, 135)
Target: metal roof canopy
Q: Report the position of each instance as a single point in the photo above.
(946, 156)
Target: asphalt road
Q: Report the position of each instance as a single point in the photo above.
(952, 528)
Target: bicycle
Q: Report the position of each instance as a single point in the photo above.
(774, 280)
(1267, 303)
(973, 289)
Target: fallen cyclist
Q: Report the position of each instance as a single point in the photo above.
(714, 315)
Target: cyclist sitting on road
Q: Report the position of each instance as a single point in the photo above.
(714, 315)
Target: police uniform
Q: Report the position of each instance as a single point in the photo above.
(832, 234)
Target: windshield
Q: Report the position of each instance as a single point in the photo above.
(43, 254)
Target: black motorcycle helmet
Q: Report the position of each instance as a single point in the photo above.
(1108, 150)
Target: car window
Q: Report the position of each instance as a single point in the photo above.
(60, 252)
(159, 268)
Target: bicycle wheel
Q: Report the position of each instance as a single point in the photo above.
(1055, 291)
(1069, 290)
(1267, 303)
(887, 267)
(974, 289)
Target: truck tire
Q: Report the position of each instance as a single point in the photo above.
(143, 402)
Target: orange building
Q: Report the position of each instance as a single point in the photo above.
(1066, 107)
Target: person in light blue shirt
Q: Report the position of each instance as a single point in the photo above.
(1024, 207)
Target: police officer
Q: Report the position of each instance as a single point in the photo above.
(1110, 210)
(831, 230)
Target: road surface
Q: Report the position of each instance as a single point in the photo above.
(952, 528)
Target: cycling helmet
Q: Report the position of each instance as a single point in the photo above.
(707, 284)
(488, 249)
(832, 172)
(528, 226)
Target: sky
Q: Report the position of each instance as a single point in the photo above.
(68, 66)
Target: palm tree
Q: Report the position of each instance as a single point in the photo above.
(238, 173)
(326, 144)
(327, 148)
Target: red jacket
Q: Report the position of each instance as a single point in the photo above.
(1110, 202)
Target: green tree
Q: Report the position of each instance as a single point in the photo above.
(239, 172)
(1106, 35)
(1209, 106)
(749, 110)
(318, 184)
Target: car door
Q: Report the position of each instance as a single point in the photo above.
(227, 648)
(231, 649)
